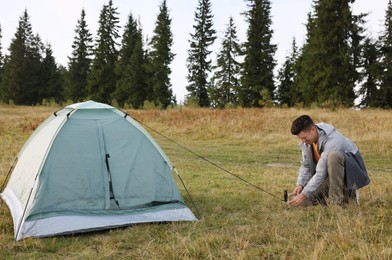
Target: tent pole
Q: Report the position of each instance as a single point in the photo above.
(25, 208)
(193, 202)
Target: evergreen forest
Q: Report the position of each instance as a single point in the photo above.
(339, 64)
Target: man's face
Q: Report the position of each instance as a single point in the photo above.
(309, 136)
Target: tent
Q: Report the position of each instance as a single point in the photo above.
(88, 167)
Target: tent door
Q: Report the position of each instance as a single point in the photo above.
(112, 197)
(113, 202)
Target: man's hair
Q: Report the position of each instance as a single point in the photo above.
(300, 124)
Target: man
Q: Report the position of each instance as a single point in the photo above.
(331, 167)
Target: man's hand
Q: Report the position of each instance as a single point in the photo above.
(297, 190)
(298, 200)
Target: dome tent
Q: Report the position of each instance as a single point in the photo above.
(89, 167)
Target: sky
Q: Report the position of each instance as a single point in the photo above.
(55, 22)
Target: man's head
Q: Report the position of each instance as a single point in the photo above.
(304, 128)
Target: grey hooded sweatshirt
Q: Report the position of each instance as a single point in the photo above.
(312, 174)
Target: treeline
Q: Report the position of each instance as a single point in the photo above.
(126, 74)
(339, 64)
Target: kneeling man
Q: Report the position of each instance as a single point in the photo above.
(332, 169)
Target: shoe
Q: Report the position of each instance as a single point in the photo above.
(354, 196)
(357, 197)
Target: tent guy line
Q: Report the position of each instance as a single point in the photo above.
(189, 194)
(208, 161)
(8, 174)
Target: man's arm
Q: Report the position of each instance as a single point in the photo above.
(307, 168)
(297, 190)
(319, 176)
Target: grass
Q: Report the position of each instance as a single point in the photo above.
(238, 221)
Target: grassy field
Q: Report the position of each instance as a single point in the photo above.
(238, 221)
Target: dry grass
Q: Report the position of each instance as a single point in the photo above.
(239, 221)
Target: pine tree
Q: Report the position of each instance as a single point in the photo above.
(22, 78)
(12, 82)
(79, 62)
(160, 58)
(386, 60)
(330, 57)
(304, 67)
(370, 96)
(34, 73)
(131, 86)
(286, 90)
(102, 78)
(198, 63)
(226, 79)
(52, 81)
(259, 63)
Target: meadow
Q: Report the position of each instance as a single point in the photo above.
(237, 221)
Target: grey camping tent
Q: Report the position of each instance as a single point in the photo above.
(88, 167)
